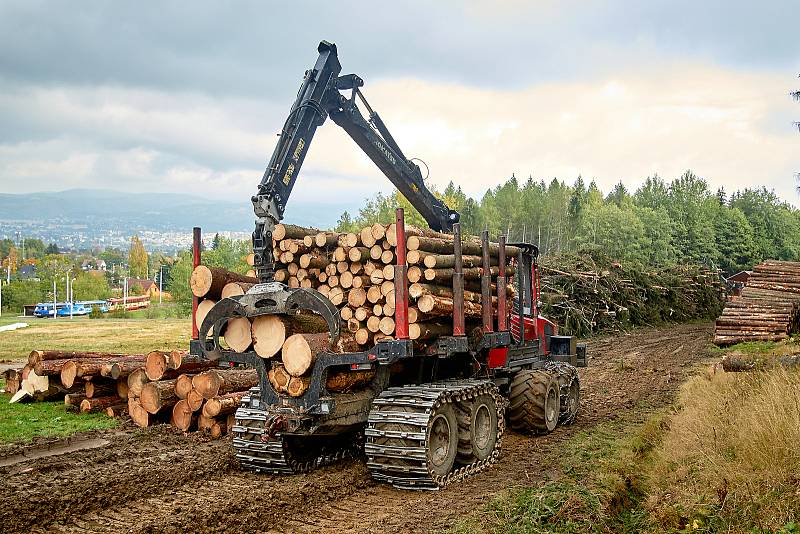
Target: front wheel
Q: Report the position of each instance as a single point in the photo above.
(534, 402)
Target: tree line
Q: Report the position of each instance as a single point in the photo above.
(660, 224)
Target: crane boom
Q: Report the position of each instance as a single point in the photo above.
(319, 97)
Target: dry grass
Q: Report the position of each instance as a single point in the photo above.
(112, 335)
(731, 459)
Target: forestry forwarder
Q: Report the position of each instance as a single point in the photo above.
(429, 418)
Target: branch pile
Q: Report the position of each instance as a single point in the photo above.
(768, 308)
(586, 294)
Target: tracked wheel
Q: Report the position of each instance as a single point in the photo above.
(569, 386)
(534, 402)
(477, 428)
(442, 435)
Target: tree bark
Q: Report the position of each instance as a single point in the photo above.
(233, 289)
(98, 404)
(297, 386)
(100, 389)
(158, 395)
(291, 231)
(279, 378)
(345, 381)
(183, 385)
(223, 404)
(136, 381)
(300, 350)
(208, 281)
(220, 381)
(183, 417)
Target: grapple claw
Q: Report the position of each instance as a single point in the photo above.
(266, 299)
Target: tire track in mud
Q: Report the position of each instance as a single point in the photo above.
(157, 481)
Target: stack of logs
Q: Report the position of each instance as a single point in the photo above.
(768, 308)
(160, 386)
(355, 271)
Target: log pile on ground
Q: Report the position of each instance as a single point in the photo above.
(768, 308)
(585, 294)
(147, 387)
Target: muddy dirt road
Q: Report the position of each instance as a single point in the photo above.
(159, 481)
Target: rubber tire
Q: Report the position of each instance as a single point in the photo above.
(448, 414)
(570, 390)
(467, 412)
(534, 402)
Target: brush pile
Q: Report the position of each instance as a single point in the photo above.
(586, 294)
(355, 271)
(768, 308)
(161, 386)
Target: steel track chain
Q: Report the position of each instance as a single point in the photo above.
(257, 451)
(404, 465)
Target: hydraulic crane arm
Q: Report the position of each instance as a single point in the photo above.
(318, 98)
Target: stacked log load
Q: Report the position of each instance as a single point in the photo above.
(355, 271)
(151, 388)
(768, 308)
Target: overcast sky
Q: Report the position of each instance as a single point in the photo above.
(189, 96)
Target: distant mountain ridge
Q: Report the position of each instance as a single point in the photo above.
(154, 211)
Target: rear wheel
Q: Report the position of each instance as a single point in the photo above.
(569, 385)
(534, 402)
(442, 434)
(477, 428)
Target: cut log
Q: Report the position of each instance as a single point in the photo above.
(122, 389)
(362, 336)
(388, 272)
(427, 330)
(183, 385)
(183, 417)
(194, 400)
(136, 381)
(223, 404)
(279, 378)
(98, 404)
(209, 281)
(237, 334)
(291, 231)
(356, 297)
(203, 308)
(138, 415)
(36, 356)
(298, 385)
(73, 400)
(386, 325)
(378, 231)
(158, 395)
(98, 388)
(374, 322)
(117, 410)
(220, 381)
(346, 381)
(233, 289)
(300, 350)
(124, 367)
(366, 237)
(13, 379)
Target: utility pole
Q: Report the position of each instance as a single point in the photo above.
(1, 298)
(55, 299)
(160, 282)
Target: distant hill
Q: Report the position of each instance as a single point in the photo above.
(153, 211)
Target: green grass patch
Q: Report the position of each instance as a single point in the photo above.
(601, 487)
(22, 422)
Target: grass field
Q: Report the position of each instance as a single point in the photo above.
(133, 335)
(23, 422)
